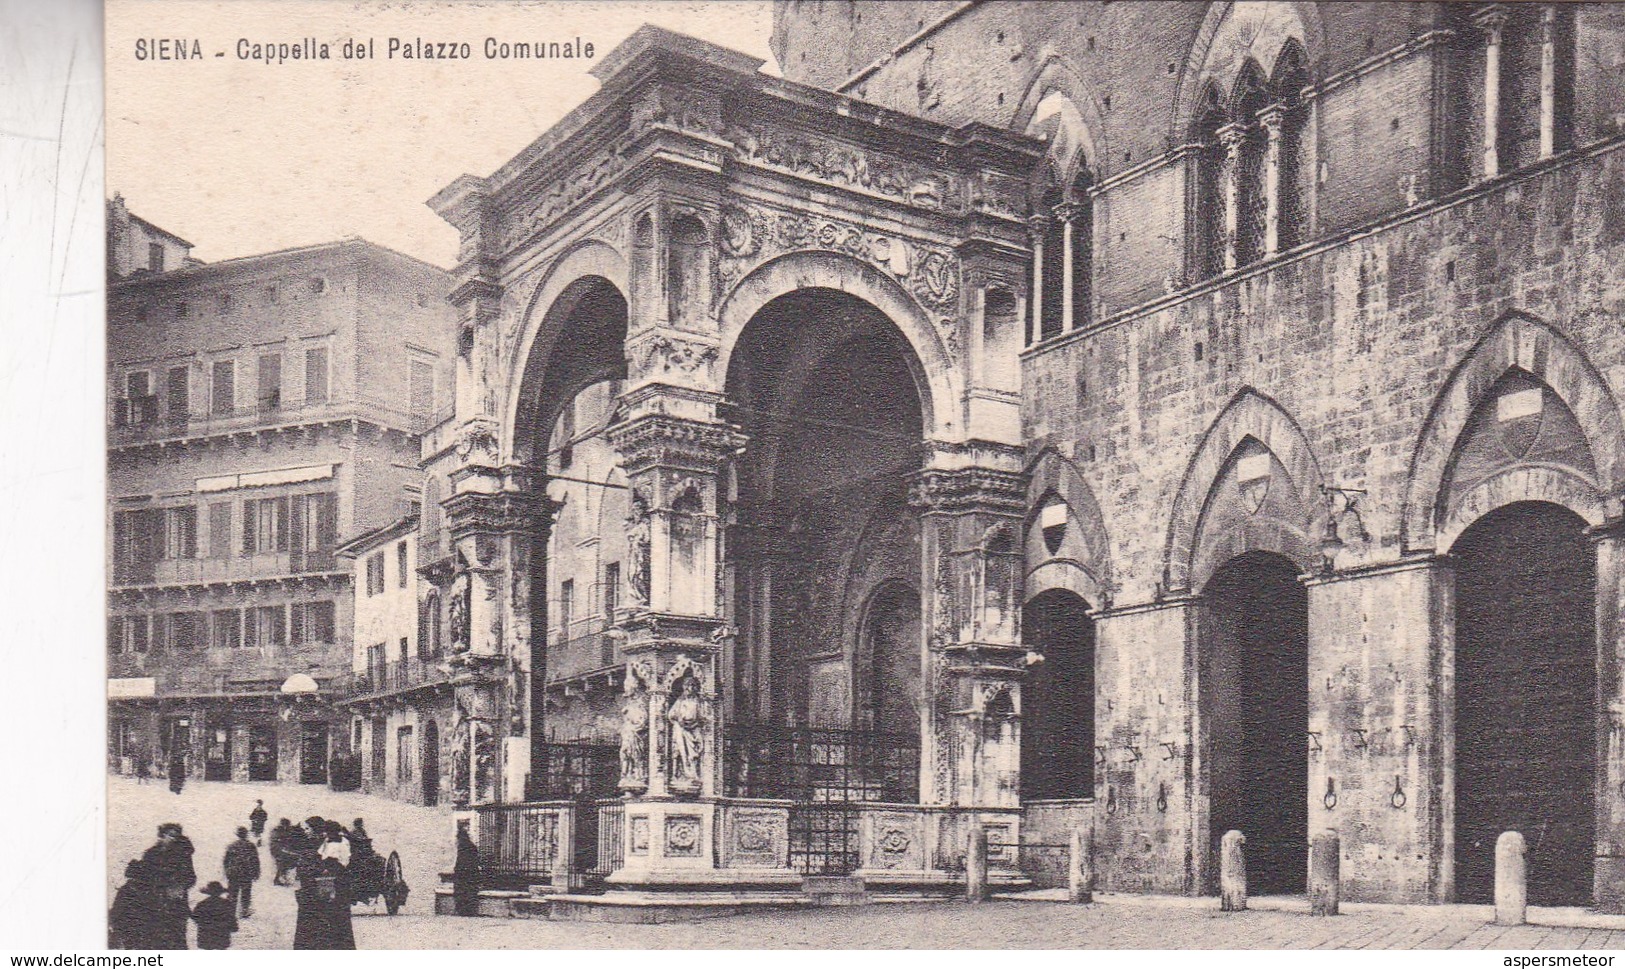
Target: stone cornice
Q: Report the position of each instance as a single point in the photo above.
(660, 440)
(504, 512)
(969, 489)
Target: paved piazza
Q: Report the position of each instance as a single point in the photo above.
(209, 812)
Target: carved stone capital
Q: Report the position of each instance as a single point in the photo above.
(502, 513)
(663, 441)
(1068, 211)
(969, 490)
(1492, 18)
(1273, 117)
(1231, 137)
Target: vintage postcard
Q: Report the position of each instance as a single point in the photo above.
(855, 475)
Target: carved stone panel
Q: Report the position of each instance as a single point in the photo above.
(760, 839)
(639, 834)
(896, 841)
(682, 838)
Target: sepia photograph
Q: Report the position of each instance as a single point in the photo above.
(840, 474)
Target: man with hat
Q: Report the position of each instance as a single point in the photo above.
(242, 867)
(216, 918)
(169, 865)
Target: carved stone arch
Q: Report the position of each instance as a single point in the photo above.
(1557, 486)
(1516, 342)
(937, 375)
(1229, 34)
(1059, 108)
(1050, 473)
(539, 329)
(1249, 415)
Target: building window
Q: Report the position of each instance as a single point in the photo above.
(180, 533)
(155, 257)
(138, 543)
(223, 396)
(311, 622)
(380, 747)
(220, 530)
(567, 599)
(185, 631)
(429, 645)
(420, 387)
(403, 754)
(400, 564)
(313, 526)
(612, 590)
(375, 574)
(270, 385)
(225, 625)
(178, 390)
(139, 405)
(265, 627)
(265, 525)
(316, 375)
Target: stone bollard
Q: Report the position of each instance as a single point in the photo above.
(1325, 873)
(1232, 872)
(976, 865)
(1511, 879)
(1080, 867)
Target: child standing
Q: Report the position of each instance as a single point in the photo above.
(216, 918)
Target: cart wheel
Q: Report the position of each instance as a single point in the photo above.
(394, 884)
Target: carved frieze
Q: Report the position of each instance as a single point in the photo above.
(759, 838)
(838, 163)
(682, 836)
(664, 354)
(749, 235)
(896, 842)
(543, 204)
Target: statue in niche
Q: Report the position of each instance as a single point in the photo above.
(635, 728)
(638, 547)
(461, 627)
(459, 757)
(687, 717)
(484, 760)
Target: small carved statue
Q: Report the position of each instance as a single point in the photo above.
(687, 717)
(635, 731)
(638, 547)
(460, 625)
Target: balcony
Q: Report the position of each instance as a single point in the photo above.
(236, 568)
(270, 414)
(582, 655)
(401, 677)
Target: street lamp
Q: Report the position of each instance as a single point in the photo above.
(1331, 539)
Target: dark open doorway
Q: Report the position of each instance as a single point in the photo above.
(1058, 698)
(431, 763)
(1526, 680)
(1255, 676)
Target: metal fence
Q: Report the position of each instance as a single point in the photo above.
(576, 770)
(821, 765)
(611, 851)
(824, 838)
(519, 843)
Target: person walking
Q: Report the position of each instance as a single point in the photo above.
(170, 865)
(256, 821)
(242, 867)
(143, 770)
(323, 896)
(215, 917)
(465, 873)
(177, 770)
(135, 909)
(281, 848)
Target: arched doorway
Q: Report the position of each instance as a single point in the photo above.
(1526, 680)
(431, 763)
(1058, 698)
(892, 634)
(1255, 678)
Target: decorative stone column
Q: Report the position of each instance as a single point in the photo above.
(674, 632)
(1548, 80)
(1272, 118)
(972, 504)
(1232, 137)
(1037, 227)
(1492, 20)
(1608, 890)
(499, 520)
(1067, 213)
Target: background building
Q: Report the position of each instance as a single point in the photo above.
(260, 409)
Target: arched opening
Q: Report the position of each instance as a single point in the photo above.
(826, 552)
(1207, 259)
(1251, 96)
(892, 641)
(431, 763)
(1051, 208)
(1526, 681)
(1058, 698)
(1255, 701)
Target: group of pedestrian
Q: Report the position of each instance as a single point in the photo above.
(151, 909)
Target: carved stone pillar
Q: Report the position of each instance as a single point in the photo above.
(1067, 213)
(1548, 80)
(675, 633)
(1609, 874)
(974, 662)
(1492, 20)
(499, 520)
(1272, 118)
(1232, 137)
(1036, 229)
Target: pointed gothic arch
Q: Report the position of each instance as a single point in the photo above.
(1081, 561)
(1254, 419)
(1516, 342)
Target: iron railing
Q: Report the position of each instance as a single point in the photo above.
(577, 770)
(825, 838)
(401, 675)
(518, 843)
(821, 765)
(611, 853)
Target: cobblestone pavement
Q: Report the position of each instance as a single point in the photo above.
(423, 836)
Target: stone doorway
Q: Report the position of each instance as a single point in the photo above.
(1058, 698)
(1255, 677)
(1526, 680)
(431, 763)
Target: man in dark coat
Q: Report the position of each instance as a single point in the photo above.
(135, 910)
(285, 842)
(215, 918)
(177, 770)
(323, 897)
(256, 821)
(170, 864)
(465, 873)
(242, 867)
